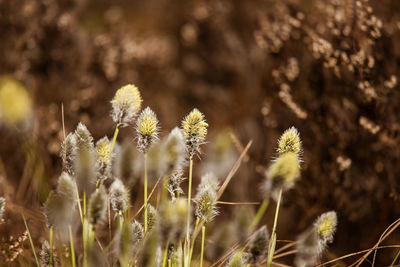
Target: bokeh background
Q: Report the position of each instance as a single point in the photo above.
(254, 68)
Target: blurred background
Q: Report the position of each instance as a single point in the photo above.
(254, 68)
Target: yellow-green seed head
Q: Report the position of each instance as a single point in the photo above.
(194, 130)
(15, 102)
(126, 104)
(147, 129)
(326, 226)
(285, 168)
(289, 142)
(103, 150)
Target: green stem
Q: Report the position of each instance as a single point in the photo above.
(84, 203)
(259, 215)
(114, 137)
(79, 203)
(395, 259)
(203, 235)
(189, 199)
(192, 245)
(272, 242)
(30, 241)
(169, 262)
(145, 192)
(51, 245)
(164, 262)
(71, 241)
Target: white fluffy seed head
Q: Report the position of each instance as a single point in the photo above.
(126, 104)
(206, 198)
(119, 196)
(147, 129)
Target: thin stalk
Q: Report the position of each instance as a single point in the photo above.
(79, 202)
(114, 137)
(193, 241)
(84, 203)
(395, 259)
(203, 235)
(169, 262)
(145, 192)
(51, 245)
(30, 241)
(260, 214)
(164, 262)
(189, 198)
(71, 242)
(272, 242)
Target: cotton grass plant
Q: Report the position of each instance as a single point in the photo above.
(95, 189)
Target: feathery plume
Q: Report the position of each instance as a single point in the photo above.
(15, 102)
(147, 129)
(195, 131)
(206, 198)
(289, 142)
(68, 153)
(119, 197)
(137, 232)
(97, 207)
(174, 150)
(126, 104)
(258, 246)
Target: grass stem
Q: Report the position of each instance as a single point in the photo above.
(203, 235)
(259, 215)
(71, 242)
(145, 192)
(272, 242)
(30, 240)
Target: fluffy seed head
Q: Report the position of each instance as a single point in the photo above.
(152, 217)
(15, 102)
(103, 150)
(326, 226)
(258, 246)
(66, 188)
(174, 150)
(206, 198)
(289, 141)
(194, 130)
(308, 248)
(84, 139)
(126, 104)
(174, 186)
(45, 256)
(147, 129)
(137, 232)
(97, 207)
(68, 153)
(119, 196)
(285, 168)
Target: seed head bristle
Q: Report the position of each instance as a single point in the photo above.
(194, 130)
(84, 139)
(147, 129)
(237, 260)
(174, 185)
(289, 142)
(45, 256)
(152, 217)
(126, 104)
